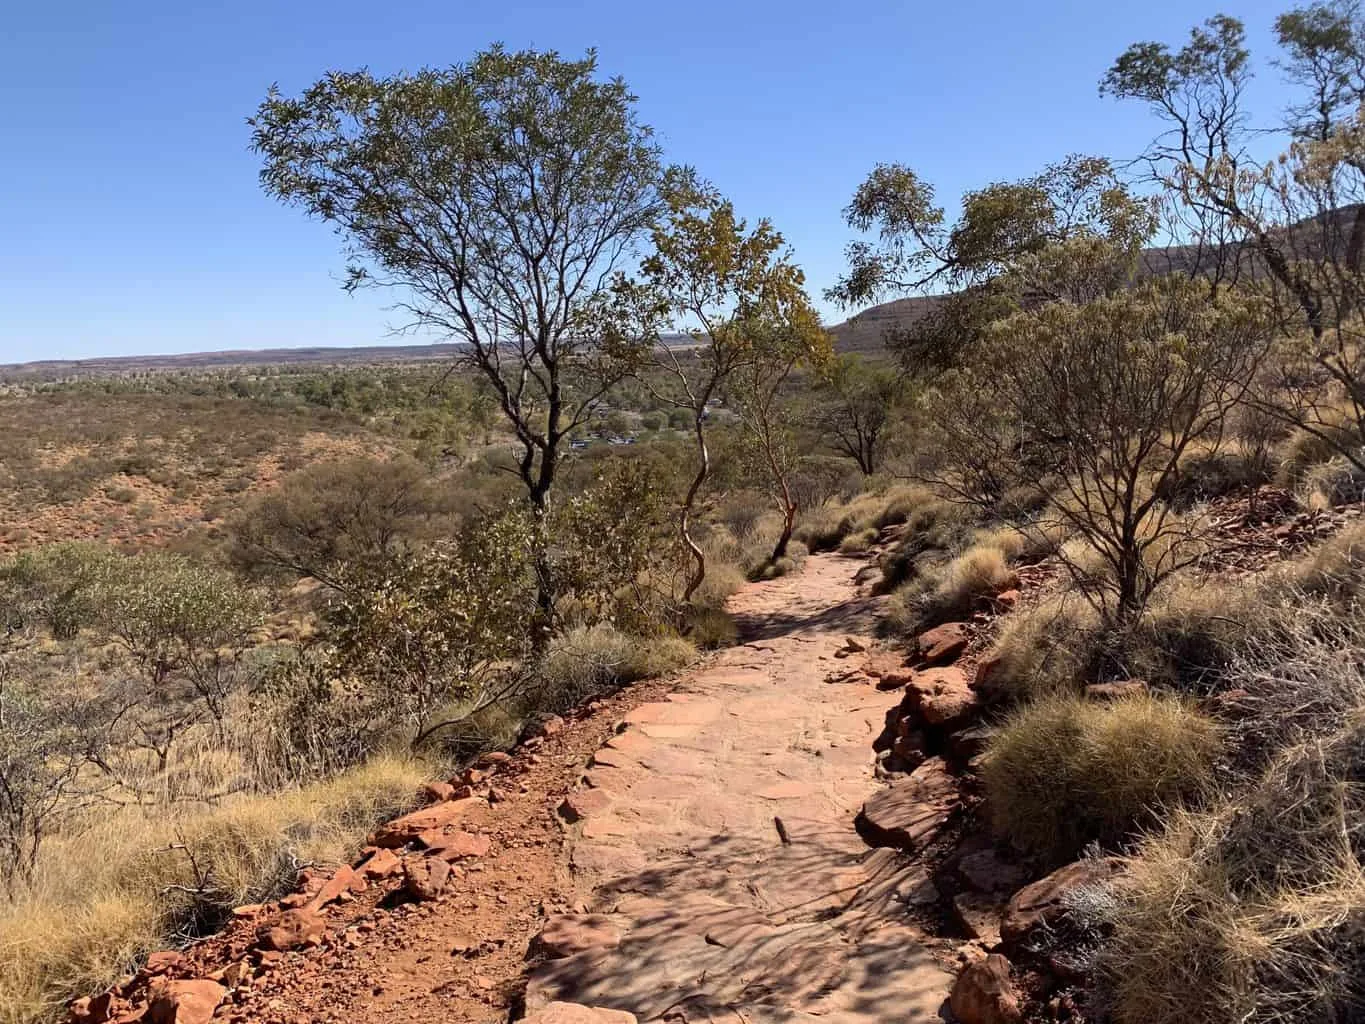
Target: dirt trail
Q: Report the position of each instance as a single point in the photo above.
(674, 894)
(719, 913)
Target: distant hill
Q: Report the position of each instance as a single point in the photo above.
(865, 332)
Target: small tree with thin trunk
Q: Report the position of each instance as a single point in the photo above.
(759, 387)
(1107, 397)
(855, 409)
(735, 292)
(498, 198)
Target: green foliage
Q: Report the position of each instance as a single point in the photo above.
(506, 190)
(345, 512)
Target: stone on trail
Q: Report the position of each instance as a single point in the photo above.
(942, 696)
(381, 864)
(984, 994)
(425, 877)
(978, 916)
(576, 1013)
(943, 644)
(910, 811)
(295, 928)
(565, 935)
(438, 792)
(404, 830)
(583, 802)
(456, 845)
(183, 1002)
(1043, 904)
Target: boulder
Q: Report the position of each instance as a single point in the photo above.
(183, 1002)
(1006, 599)
(984, 994)
(943, 644)
(565, 935)
(966, 744)
(942, 696)
(576, 1013)
(425, 877)
(92, 1009)
(163, 962)
(404, 830)
(1115, 691)
(295, 928)
(910, 811)
(1042, 903)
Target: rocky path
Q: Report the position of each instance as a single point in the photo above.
(683, 850)
(715, 844)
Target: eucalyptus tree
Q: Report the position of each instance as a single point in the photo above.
(498, 198)
(739, 298)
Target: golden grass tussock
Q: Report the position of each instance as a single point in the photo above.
(1250, 911)
(134, 884)
(1064, 772)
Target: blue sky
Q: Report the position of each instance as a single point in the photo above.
(131, 220)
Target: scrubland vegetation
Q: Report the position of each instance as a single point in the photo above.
(247, 612)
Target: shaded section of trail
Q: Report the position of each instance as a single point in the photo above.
(718, 911)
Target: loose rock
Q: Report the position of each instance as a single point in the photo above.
(984, 994)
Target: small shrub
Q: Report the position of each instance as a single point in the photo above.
(1333, 571)
(1328, 484)
(857, 543)
(950, 591)
(1065, 772)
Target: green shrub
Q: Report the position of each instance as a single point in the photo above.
(1064, 772)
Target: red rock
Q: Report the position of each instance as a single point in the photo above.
(984, 994)
(160, 963)
(943, 644)
(247, 910)
(1006, 599)
(583, 802)
(910, 811)
(1115, 691)
(183, 1002)
(896, 679)
(381, 864)
(979, 917)
(942, 696)
(493, 757)
(438, 792)
(576, 1013)
(1041, 904)
(565, 935)
(404, 830)
(455, 846)
(296, 928)
(341, 881)
(425, 877)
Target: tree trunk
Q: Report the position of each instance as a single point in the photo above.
(685, 515)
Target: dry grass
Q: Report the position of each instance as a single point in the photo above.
(588, 661)
(1065, 772)
(952, 592)
(1251, 913)
(103, 899)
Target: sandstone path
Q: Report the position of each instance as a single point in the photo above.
(715, 848)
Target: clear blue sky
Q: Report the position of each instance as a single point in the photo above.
(131, 220)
